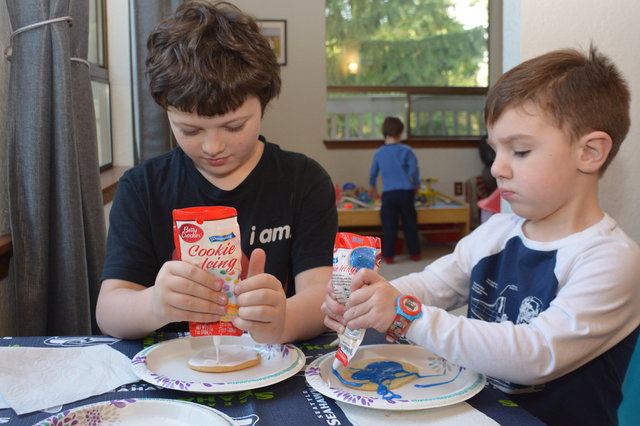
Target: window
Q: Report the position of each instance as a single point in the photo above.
(425, 61)
(100, 81)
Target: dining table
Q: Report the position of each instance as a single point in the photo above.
(296, 399)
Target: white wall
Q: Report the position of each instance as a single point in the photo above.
(120, 81)
(613, 27)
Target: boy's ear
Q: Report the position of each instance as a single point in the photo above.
(594, 151)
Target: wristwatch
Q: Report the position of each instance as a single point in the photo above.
(408, 308)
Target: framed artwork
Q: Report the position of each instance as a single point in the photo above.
(275, 30)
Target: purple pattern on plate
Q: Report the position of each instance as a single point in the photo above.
(313, 371)
(351, 398)
(139, 360)
(93, 416)
(166, 382)
(271, 351)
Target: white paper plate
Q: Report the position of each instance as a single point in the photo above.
(449, 385)
(165, 365)
(140, 412)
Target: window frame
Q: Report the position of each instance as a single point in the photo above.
(494, 31)
(100, 74)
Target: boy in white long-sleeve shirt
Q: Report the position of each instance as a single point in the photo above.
(553, 289)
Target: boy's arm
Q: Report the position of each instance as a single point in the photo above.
(594, 310)
(304, 319)
(373, 171)
(181, 292)
(414, 170)
(123, 310)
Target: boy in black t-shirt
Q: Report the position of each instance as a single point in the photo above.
(213, 72)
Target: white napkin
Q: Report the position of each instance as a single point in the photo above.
(450, 415)
(34, 379)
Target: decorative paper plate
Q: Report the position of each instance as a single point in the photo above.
(139, 412)
(165, 365)
(439, 383)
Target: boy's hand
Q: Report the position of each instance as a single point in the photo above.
(373, 193)
(372, 303)
(184, 292)
(333, 311)
(261, 301)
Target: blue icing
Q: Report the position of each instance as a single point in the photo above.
(383, 373)
(363, 257)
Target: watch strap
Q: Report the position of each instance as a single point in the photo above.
(408, 308)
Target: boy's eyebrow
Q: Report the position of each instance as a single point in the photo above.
(235, 119)
(510, 138)
(179, 122)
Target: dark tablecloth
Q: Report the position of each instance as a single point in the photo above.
(291, 401)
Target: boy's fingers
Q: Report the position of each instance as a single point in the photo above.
(256, 262)
(362, 278)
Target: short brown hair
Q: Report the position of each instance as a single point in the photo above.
(581, 93)
(208, 58)
(392, 127)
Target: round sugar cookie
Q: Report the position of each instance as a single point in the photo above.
(371, 373)
(231, 358)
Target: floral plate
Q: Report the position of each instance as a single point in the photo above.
(165, 365)
(139, 412)
(440, 383)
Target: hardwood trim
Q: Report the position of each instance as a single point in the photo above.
(414, 142)
(5, 244)
(109, 182)
(411, 90)
(6, 249)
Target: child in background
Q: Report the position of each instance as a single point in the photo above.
(398, 167)
(553, 289)
(214, 73)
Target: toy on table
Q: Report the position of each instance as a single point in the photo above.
(427, 196)
(352, 196)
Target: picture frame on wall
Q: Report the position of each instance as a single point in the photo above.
(275, 31)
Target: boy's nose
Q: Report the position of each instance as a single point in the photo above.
(212, 145)
(500, 168)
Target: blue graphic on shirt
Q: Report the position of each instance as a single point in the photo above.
(515, 285)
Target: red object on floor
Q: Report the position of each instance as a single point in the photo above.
(388, 260)
(415, 257)
(491, 203)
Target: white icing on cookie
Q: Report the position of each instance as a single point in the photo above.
(229, 356)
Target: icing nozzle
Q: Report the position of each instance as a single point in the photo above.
(336, 364)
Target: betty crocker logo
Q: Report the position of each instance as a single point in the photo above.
(191, 233)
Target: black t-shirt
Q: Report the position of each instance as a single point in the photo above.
(285, 206)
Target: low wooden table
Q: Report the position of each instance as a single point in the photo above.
(455, 213)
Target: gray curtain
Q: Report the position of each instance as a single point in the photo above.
(151, 126)
(55, 201)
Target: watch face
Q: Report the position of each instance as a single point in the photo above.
(410, 305)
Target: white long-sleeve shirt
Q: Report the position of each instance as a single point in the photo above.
(537, 310)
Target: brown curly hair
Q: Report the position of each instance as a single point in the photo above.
(208, 58)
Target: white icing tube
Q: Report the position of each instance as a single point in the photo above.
(350, 253)
(209, 237)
